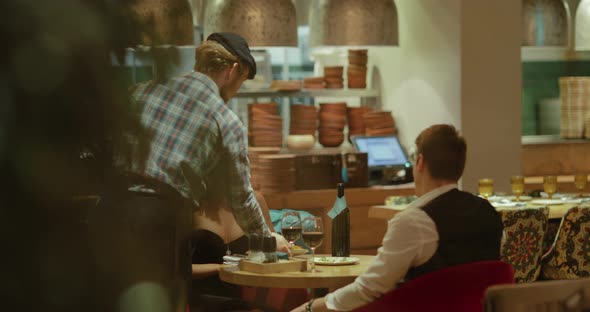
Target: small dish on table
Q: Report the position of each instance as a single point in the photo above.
(336, 260)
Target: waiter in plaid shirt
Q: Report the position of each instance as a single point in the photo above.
(193, 132)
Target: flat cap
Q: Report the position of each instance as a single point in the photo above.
(237, 46)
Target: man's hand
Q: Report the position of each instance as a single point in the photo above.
(319, 305)
(282, 243)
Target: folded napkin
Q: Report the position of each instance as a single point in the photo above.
(233, 259)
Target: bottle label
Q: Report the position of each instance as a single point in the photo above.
(339, 206)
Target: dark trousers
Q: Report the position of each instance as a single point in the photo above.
(141, 248)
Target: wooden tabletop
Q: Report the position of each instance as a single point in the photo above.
(387, 212)
(328, 277)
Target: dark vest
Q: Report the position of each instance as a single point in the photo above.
(469, 230)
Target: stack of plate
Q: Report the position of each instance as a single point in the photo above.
(265, 126)
(303, 119)
(276, 173)
(356, 121)
(253, 154)
(313, 83)
(332, 122)
(379, 123)
(574, 95)
(357, 68)
(333, 77)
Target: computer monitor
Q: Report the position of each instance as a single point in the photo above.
(386, 159)
(382, 151)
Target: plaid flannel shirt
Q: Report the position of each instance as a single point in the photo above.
(192, 132)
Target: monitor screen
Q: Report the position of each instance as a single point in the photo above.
(382, 151)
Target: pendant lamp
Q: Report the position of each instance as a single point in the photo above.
(260, 22)
(165, 21)
(353, 22)
(545, 23)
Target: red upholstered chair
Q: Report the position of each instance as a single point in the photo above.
(459, 288)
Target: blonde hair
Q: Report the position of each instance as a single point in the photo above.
(211, 58)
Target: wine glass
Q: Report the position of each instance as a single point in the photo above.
(313, 235)
(486, 187)
(580, 181)
(291, 226)
(517, 184)
(550, 185)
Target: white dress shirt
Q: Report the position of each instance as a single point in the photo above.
(411, 240)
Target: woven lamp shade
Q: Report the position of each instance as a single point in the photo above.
(165, 21)
(260, 22)
(545, 23)
(353, 22)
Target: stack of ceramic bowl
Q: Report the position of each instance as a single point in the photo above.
(313, 83)
(356, 121)
(276, 173)
(357, 69)
(265, 126)
(303, 119)
(379, 123)
(332, 123)
(253, 154)
(333, 77)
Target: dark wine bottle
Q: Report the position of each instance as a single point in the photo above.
(341, 227)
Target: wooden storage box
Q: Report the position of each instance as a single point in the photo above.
(324, 171)
(291, 265)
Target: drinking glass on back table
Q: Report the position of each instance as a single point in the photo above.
(486, 187)
(313, 235)
(580, 181)
(517, 184)
(291, 226)
(550, 185)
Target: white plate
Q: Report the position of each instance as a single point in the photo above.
(335, 260)
(520, 198)
(502, 204)
(496, 198)
(556, 195)
(547, 202)
(572, 201)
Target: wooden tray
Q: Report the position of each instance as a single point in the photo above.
(291, 265)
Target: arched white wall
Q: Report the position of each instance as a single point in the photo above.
(459, 62)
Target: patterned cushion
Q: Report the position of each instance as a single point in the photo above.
(522, 243)
(570, 256)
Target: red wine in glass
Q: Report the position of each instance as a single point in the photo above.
(291, 233)
(313, 239)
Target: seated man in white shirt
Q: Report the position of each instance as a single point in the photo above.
(442, 228)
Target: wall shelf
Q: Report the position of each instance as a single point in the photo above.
(548, 54)
(309, 92)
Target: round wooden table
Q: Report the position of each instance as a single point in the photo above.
(328, 277)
